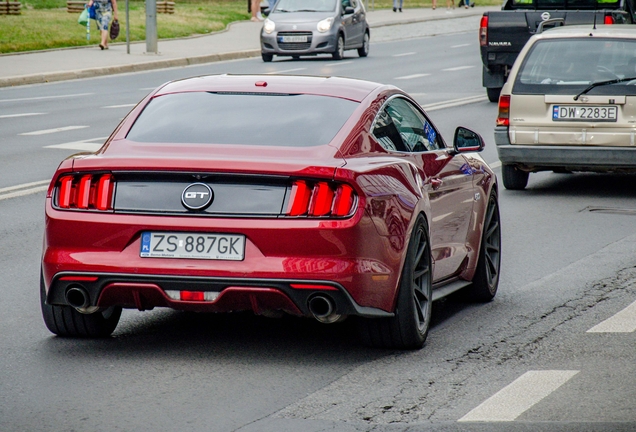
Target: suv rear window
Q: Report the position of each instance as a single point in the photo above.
(242, 118)
(569, 65)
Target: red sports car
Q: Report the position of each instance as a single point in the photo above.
(346, 201)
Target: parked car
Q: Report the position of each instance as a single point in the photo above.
(349, 202)
(569, 104)
(502, 34)
(309, 27)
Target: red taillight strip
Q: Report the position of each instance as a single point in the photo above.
(314, 287)
(104, 192)
(503, 118)
(79, 278)
(343, 202)
(321, 199)
(65, 192)
(483, 31)
(85, 192)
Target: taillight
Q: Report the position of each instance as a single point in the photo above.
(483, 31)
(317, 199)
(609, 20)
(503, 118)
(85, 192)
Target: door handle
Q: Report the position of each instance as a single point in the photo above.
(436, 183)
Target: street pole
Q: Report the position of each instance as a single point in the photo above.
(127, 28)
(151, 27)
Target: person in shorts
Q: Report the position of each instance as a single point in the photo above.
(105, 11)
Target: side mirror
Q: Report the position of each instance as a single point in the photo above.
(467, 141)
(348, 10)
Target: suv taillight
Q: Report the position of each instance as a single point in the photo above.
(85, 192)
(318, 199)
(503, 118)
(483, 31)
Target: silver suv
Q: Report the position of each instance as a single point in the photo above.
(309, 27)
(570, 104)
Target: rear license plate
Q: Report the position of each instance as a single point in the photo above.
(192, 245)
(584, 113)
(291, 39)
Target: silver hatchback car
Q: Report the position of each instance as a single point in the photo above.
(308, 27)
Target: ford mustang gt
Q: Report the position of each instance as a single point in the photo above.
(347, 201)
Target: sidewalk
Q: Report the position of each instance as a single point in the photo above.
(239, 40)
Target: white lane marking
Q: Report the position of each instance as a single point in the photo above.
(519, 396)
(340, 63)
(454, 102)
(20, 115)
(623, 322)
(406, 77)
(459, 46)
(453, 69)
(24, 185)
(49, 131)
(121, 106)
(84, 145)
(46, 97)
(284, 71)
(495, 164)
(24, 189)
(404, 54)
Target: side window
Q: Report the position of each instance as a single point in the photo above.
(416, 133)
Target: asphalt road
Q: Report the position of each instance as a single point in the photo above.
(525, 361)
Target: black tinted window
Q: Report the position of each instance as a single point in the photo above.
(253, 119)
(564, 66)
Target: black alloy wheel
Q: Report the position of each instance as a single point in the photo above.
(408, 329)
(514, 178)
(363, 51)
(67, 321)
(338, 54)
(486, 280)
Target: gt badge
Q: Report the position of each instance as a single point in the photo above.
(197, 196)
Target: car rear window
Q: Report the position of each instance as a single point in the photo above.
(569, 65)
(242, 118)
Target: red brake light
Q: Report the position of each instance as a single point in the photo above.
(320, 199)
(85, 192)
(609, 20)
(483, 31)
(503, 119)
(192, 296)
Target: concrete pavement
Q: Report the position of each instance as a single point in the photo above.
(239, 40)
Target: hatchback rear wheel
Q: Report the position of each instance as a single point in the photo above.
(514, 178)
(409, 327)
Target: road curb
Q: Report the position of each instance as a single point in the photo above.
(180, 62)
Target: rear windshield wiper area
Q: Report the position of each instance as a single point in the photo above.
(603, 83)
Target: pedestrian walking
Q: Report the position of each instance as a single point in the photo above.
(105, 11)
(397, 6)
(256, 10)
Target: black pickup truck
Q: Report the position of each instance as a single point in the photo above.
(502, 34)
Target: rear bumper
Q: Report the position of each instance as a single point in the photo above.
(146, 292)
(542, 157)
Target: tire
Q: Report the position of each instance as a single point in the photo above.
(409, 327)
(514, 178)
(267, 57)
(486, 279)
(67, 321)
(493, 93)
(363, 51)
(338, 54)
